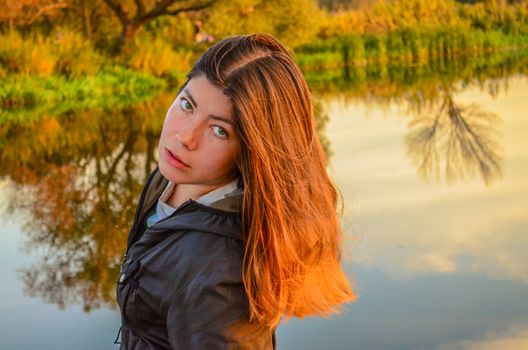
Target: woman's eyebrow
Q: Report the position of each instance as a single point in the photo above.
(217, 117)
(188, 93)
(211, 116)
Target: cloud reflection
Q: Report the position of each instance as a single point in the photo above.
(463, 233)
(515, 337)
(407, 227)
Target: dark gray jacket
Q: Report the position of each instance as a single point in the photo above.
(180, 285)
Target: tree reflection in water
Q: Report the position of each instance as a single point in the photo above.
(461, 139)
(76, 178)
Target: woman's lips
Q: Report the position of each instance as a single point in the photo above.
(174, 160)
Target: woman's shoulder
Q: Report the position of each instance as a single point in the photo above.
(200, 260)
(201, 237)
(206, 248)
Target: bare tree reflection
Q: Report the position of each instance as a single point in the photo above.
(460, 139)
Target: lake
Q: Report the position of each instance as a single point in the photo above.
(432, 162)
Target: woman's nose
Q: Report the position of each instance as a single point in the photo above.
(189, 135)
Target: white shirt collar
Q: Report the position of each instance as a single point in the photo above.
(163, 209)
(206, 199)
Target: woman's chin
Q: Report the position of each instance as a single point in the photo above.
(164, 169)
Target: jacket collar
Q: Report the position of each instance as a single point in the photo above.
(220, 217)
(157, 184)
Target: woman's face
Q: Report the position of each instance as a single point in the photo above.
(198, 144)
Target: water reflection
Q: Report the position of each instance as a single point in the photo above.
(409, 228)
(77, 175)
(515, 337)
(446, 138)
(418, 85)
(461, 138)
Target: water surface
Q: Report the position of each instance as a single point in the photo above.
(432, 166)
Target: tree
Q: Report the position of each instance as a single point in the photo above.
(294, 22)
(27, 12)
(146, 11)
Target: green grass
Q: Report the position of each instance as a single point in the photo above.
(22, 96)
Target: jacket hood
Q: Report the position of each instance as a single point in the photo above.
(222, 217)
(194, 216)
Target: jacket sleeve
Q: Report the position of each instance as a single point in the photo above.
(212, 313)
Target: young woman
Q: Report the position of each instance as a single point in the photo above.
(237, 226)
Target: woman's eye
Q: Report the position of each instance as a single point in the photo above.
(220, 132)
(186, 105)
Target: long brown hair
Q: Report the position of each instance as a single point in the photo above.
(292, 231)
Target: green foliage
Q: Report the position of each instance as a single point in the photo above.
(294, 22)
(492, 15)
(150, 53)
(63, 52)
(416, 45)
(64, 62)
(75, 55)
(389, 16)
(321, 60)
(418, 83)
(178, 30)
(33, 55)
(108, 88)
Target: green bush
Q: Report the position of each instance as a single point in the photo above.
(63, 52)
(416, 45)
(33, 55)
(75, 55)
(109, 87)
(153, 54)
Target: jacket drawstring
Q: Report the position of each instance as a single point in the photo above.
(117, 340)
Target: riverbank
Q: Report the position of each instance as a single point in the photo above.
(22, 95)
(417, 46)
(354, 59)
